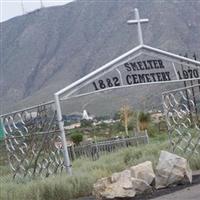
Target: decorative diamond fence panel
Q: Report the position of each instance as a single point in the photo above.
(182, 112)
(32, 141)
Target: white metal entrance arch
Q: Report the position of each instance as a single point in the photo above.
(145, 79)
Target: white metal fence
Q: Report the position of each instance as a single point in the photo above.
(30, 137)
(182, 112)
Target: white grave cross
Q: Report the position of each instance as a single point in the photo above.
(138, 21)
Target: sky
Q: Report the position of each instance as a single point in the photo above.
(13, 8)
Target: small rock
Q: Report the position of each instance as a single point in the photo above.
(143, 171)
(172, 169)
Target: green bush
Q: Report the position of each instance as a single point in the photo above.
(144, 117)
(77, 138)
(153, 130)
(86, 123)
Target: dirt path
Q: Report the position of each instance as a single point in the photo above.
(190, 193)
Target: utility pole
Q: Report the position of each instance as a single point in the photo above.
(22, 7)
(41, 4)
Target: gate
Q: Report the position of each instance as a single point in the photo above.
(182, 113)
(32, 141)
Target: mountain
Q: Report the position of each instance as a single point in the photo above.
(45, 50)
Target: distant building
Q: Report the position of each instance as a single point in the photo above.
(72, 126)
(75, 117)
(86, 116)
(107, 121)
(156, 116)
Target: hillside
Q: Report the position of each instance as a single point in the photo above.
(50, 48)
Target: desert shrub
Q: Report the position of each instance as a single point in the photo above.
(144, 119)
(77, 138)
(153, 130)
(86, 123)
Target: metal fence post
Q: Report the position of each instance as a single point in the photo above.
(147, 136)
(67, 163)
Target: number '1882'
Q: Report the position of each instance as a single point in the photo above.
(108, 82)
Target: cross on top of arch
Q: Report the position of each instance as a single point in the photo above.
(138, 21)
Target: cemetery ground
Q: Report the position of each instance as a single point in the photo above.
(85, 173)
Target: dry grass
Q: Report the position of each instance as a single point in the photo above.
(85, 173)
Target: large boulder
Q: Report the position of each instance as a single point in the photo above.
(100, 187)
(172, 169)
(119, 185)
(140, 186)
(144, 171)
